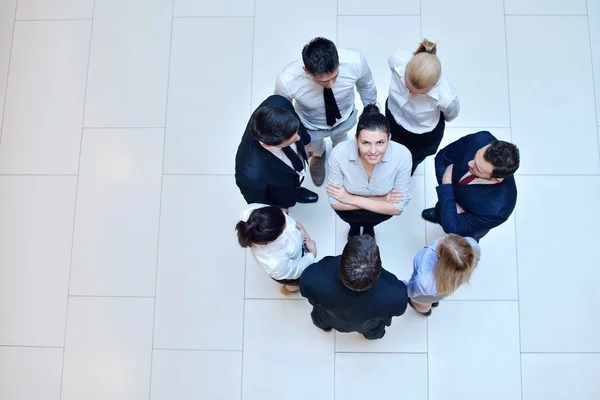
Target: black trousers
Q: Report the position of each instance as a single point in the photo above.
(362, 218)
(476, 235)
(420, 145)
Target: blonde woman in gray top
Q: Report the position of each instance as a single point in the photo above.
(369, 178)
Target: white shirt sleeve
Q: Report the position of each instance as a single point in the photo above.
(402, 180)
(450, 107)
(281, 87)
(366, 84)
(292, 269)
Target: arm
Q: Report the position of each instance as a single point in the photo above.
(281, 88)
(365, 85)
(374, 204)
(402, 180)
(451, 111)
(463, 224)
(336, 177)
(448, 155)
(253, 190)
(450, 105)
(292, 269)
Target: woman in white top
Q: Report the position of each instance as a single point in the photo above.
(439, 269)
(369, 178)
(278, 243)
(420, 101)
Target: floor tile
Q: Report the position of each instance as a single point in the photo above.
(45, 97)
(594, 21)
(129, 64)
(474, 351)
(192, 145)
(477, 70)
(379, 7)
(7, 16)
(108, 349)
(399, 238)
(561, 376)
(278, 39)
(282, 345)
(36, 231)
(404, 32)
(196, 375)
(55, 9)
(407, 334)
(532, 97)
(548, 258)
(30, 373)
(197, 250)
(228, 8)
(380, 376)
(545, 7)
(118, 201)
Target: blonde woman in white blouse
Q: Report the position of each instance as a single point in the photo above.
(420, 101)
(369, 178)
(277, 242)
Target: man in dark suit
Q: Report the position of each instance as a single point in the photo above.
(352, 292)
(477, 190)
(270, 160)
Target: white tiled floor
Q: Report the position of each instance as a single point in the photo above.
(120, 276)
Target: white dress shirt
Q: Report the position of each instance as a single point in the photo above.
(277, 152)
(419, 113)
(282, 258)
(294, 83)
(476, 181)
(344, 167)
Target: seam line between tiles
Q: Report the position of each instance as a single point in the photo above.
(12, 38)
(211, 16)
(53, 19)
(594, 82)
(21, 346)
(545, 15)
(87, 72)
(162, 181)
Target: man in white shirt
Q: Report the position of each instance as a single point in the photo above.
(322, 85)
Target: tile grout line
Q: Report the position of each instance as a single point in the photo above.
(515, 211)
(18, 346)
(545, 15)
(12, 39)
(246, 251)
(162, 181)
(337, 40)
(594, 83)
(62, 375)
(53, 19)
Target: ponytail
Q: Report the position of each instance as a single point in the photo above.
(424, 70)
(263, 226)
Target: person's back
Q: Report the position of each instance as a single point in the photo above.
(352, 292)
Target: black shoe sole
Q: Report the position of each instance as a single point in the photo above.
(427, 314)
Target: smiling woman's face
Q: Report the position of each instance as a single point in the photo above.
(372, 145)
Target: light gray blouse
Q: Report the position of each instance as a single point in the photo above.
(345, 168)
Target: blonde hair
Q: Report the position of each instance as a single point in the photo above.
(424, 70)
(457, 261)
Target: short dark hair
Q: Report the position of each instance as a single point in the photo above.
(504, 156)
(372, 120)
(263, 226)
(360, 265)
(320, 56)
(273, 125)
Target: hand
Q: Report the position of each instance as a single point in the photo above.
(395, 196)
(459, 209)
(311, 246)
(339, 193)
(309, 150)
(447, 178)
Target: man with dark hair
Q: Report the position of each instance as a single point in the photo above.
(270, 160)
(477, 189)
(352, 292)
(322, 85)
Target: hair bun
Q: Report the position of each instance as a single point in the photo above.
(371, 109)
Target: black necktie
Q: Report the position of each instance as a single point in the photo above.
(291, 154)
(332, 112)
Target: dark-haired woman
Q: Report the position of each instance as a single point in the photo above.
(277, 242)
(369, 178)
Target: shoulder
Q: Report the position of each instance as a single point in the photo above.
(483, 137)
(446, 90)
(400, 58)
(317, 269)
(400, 153)
(343, 149)
(349, 56)
(278, 101)
(292, 70)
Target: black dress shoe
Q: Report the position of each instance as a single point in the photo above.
(429, 215)
(437, 303)
(427, 314)
(306, 196)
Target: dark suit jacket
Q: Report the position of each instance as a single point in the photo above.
(338, 307)
(262, 177)
(486, 206)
